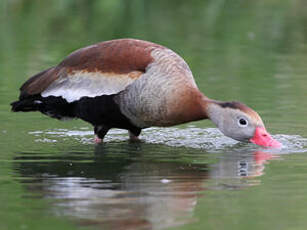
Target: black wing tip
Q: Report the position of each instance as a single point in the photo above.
(15, 106)
(24, 106)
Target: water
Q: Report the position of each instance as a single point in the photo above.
(52, 175)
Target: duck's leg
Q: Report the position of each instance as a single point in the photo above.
(100, 132)
(133, 134)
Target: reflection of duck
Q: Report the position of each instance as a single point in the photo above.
(133, 189)
(133, 84)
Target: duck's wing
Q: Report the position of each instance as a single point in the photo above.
(101, 69)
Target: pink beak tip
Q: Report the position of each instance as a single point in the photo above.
(275, 144)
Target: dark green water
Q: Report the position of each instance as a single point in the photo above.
(189, 177)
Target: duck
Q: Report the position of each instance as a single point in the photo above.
(133, 84)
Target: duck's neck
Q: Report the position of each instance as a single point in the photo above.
(210, 109)
(203, 108)
(214, 111)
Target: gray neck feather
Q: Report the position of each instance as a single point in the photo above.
(216, 114)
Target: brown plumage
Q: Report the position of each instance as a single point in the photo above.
(130, 84)
(124, 56)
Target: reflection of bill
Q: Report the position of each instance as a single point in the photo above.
(260, 158)
(238, 165)
(139, 193)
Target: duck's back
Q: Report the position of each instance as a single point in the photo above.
(111, 64)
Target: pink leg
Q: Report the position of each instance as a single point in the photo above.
(97, 140)
(133, 138)
(100, 131)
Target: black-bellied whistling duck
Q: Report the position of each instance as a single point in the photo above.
(133, 84)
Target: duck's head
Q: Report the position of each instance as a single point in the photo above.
(240, 122)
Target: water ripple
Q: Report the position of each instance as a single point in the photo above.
(210, 139)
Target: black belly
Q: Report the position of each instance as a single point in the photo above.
(100, 110)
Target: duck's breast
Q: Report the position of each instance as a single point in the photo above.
(163, 94)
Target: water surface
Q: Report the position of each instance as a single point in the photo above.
(52, 175)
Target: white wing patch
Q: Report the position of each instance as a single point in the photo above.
(89, 84)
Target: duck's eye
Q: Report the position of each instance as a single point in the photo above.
(243, 122)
